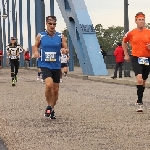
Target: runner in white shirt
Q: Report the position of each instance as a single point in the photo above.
(64, 65)
(13, 52)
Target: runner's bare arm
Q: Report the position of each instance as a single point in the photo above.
(36, 46)
(124, 46)
(68, 57)
(18, 53)
(148, 46)
(37, 43)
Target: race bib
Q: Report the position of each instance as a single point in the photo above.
(13, 54)
(50, 56)
(64, 58)
(13, 57)
(143, 61)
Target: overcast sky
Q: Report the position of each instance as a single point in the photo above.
(106, 12)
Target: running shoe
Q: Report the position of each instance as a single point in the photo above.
(52, 116)
(13, 82)
(65, 75)
(113, 77)
(139, 107)
(43, 81)
(38, 78)
(16, 79)
(48, 111)
(61, 80)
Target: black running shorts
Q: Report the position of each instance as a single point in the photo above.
(64, 65)
(139, 68)
(52, 73)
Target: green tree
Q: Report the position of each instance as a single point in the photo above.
(65, 32)
(147, 25)
(111, 36)
(99, 33)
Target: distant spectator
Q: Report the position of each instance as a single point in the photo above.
(103, 52)
(1, 56)
(119, 55)
(26, 59)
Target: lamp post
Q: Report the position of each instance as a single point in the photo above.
(52, 7)
(126, 29)
(4, 16)
(1, 40)
(29, 30)
(21, 32)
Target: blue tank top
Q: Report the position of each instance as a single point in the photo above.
(50, 51)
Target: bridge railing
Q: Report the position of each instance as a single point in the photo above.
(109, 61)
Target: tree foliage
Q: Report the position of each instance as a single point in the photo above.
(147, 25)
(109, 37)
(65, 32)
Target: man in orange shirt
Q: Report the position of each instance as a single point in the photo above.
(139, 39)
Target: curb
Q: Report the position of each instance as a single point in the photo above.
(105, 79)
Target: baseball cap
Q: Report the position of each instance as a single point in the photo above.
(13, 38)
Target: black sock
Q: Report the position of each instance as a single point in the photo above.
(140, 93)
(12, 74)
(39, 73)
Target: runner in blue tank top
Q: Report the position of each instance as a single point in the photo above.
(50, 43)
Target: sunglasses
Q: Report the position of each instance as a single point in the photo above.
(52, 24)
(13, 39)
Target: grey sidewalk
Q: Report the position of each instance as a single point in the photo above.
(125, 80)
(77, 73)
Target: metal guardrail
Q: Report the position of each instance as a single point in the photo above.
(109, 61)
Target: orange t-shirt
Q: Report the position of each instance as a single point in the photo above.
(138, 40)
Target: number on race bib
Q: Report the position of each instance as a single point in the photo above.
(13, 57)
(50, 56)
(13, 54)
(143, 61)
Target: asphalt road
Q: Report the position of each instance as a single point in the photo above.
(90, 115)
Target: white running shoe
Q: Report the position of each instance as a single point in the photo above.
(65, 75)
(38, 78)
(139, 107)
(43, 81)
(61, 80)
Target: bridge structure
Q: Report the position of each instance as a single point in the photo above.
(81, 37)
